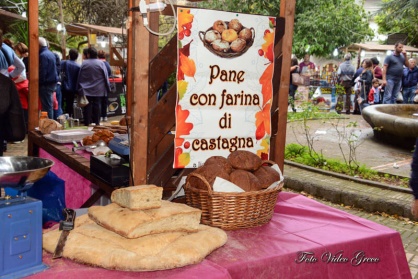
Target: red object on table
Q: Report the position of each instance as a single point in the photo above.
(299, 225)
(116, 79)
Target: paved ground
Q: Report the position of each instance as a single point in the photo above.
(370, 152)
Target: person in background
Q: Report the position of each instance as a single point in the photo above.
(377, 71)
(11, 117)
(345, 73)
(306, 64)
(357, 92)
(294, 68)
(93, 82)
(58, 94)
(48, 77)
(409, 82)
(8, 58)
(392, 73)
(366, 79)
(413, 181)
(102, 56)
(374, 94)
(85, 53)
(69, 75)
(22, 83)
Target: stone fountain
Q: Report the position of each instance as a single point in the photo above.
(395, 123)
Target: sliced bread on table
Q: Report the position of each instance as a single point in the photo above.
(136, 223)
(138, 197)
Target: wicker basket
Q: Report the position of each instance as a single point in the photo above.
(232, 211)
(228, 54)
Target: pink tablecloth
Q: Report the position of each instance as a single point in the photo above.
(77, 188)
(300, 226)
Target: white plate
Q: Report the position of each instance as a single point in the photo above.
(73, 134)
(68, 136)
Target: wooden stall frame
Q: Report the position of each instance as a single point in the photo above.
(152, 144)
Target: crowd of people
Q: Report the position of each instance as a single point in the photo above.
(396, 82)
(60, 81)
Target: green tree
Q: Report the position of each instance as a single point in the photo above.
(98, 12)
(320, 26)
(400, 16)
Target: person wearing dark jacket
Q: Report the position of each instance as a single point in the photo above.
(409, 82)
(48, 77)
(12, 122)
(294, 68)
(58, 93)
(102, 56)
(70, 70)
(366, 78)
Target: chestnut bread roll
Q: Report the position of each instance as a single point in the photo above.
(244, 160)
(195, 181)
(266, 175)
(245, 180)
(220, 161)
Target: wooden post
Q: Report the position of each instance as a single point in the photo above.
(129, 59)
(33, 98)
(140, 87)
(287, 11)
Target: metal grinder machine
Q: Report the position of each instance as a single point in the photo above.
(21, 217)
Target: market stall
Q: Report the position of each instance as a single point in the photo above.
(321, 81)
(304, 237)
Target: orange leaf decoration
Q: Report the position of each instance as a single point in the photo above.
(184, 17)
(187, 65)
(185, 50)
(267, 47)
(266, 84)
(182, 127)
(260, 132)
(269, 54)
(262, 118)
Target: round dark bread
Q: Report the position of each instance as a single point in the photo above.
(221, 161)
(210, 173)
(245, 180)
(244, 160)
(266, 175)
